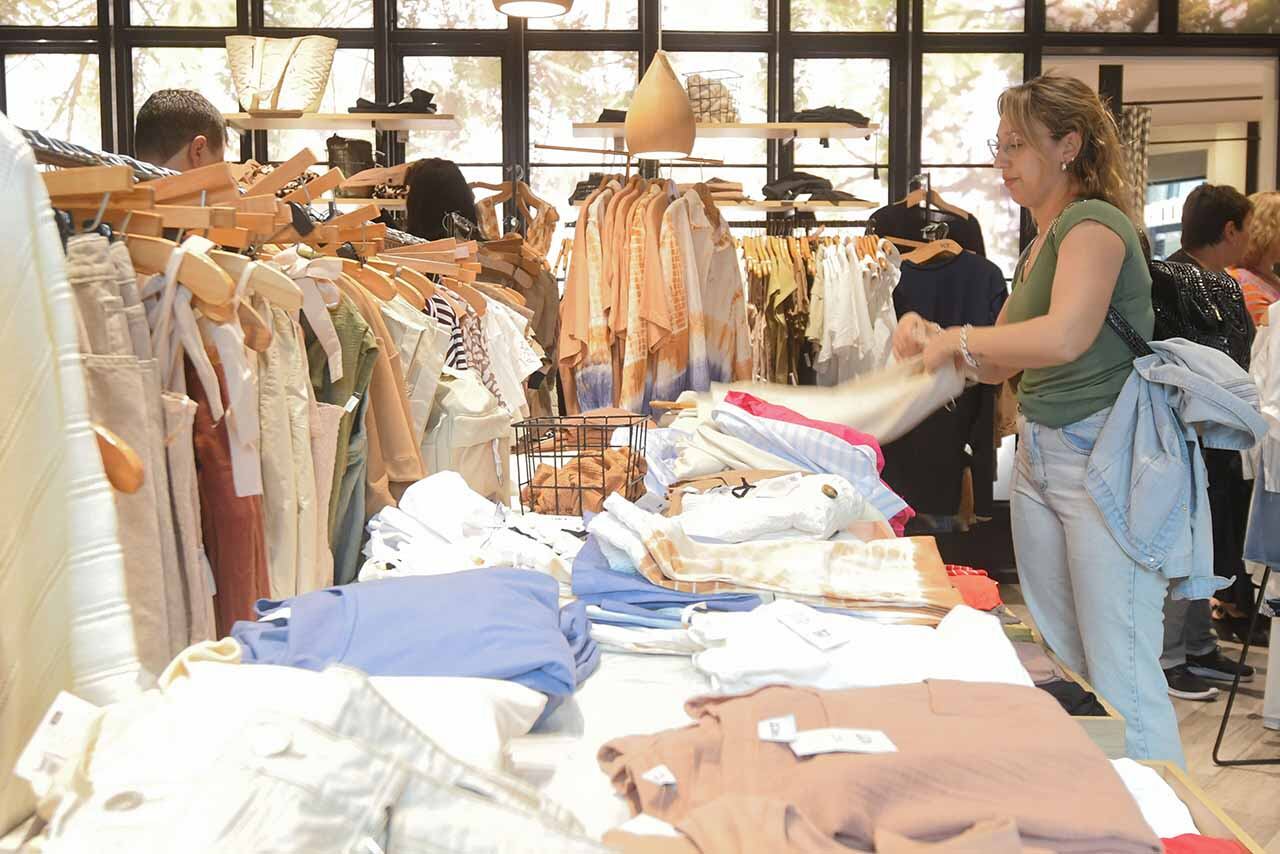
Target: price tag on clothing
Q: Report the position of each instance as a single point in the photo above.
(809, 624)
(781, 730)
(835, 740)
(352, 403)
(58, 738)
(659, 775)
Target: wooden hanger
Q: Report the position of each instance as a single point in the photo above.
(372, 281)
(917, 197)
(314, 189)
(473, 298)
(278, 177)
(424, 287)
(265, 280)
(708, 203)
(409, 294)
(934, 249)
(197, 273)
(120, 461)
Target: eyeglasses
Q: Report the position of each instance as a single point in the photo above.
(1008, 149)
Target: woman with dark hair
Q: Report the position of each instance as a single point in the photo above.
(437, 188)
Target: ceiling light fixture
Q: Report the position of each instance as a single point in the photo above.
(533, 8)
(660, 123)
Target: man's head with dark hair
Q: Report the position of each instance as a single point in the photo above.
(179, 129)
(1215, 220)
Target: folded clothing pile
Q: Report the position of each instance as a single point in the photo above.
(920, 766)
(898, 580)
(773, 645)
(443, 526)
(790, 186)
(316, 762)
(745, 432)
(641, 612)
(829, 114)
(582, 484)
(489, 623)
(739, 506)
(417, 101)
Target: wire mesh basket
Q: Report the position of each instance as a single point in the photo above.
(569, 464)
(714, 94)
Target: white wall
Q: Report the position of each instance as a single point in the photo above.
(1225, 160)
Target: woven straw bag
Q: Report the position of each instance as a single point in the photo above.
(280, 74)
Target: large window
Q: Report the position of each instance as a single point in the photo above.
(75, 115)
(858, 165)
(470, 88)
(959, 92)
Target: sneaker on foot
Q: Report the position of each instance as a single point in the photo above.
(1218, 667)
(1184, 685)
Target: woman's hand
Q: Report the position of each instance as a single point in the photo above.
(942, 349)
(912, 335)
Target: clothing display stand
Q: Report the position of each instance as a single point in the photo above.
(1235, 685)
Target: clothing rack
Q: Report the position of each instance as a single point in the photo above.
(790, 222)
(57, 152)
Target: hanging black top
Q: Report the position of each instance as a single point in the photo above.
(902, 221)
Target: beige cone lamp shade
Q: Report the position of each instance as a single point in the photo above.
(660, 123)
(533, 8)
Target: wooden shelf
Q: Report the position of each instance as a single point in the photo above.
(344, 121)
(742, 130)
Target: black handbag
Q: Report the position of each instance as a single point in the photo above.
(1201, 306)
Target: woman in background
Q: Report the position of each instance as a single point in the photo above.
(1257, 273)
(437, 188)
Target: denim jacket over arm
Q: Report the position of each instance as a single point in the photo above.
(1146, 474)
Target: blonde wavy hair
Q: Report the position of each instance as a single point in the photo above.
(1065, 104)
(1264, 228)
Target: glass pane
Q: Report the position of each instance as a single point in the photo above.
(47, 13)
(1228, 16)
(1102, 16)
(860, 84)
(960, 92)
(843, 15)
(469, 87)
(449, 15)
(966, 16)
(203, 69)
(746, 75)
(182, 13)
(733, 15)
(593, 15)
(309, 13)
(980, 192)
(351, 77)
(574, 86)
(872, 186)
(75, 114)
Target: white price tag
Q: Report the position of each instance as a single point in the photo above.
(352, 403)
(659, 775)
(58, 738)
(809, 624)
(782, 730)
(834, 740)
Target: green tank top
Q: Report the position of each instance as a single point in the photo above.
(1062, 395)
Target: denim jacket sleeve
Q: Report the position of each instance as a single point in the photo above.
(1146, 473)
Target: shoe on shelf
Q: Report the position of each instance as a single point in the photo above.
(1218, 667)
(1186, 686)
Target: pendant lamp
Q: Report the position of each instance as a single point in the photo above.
(660, 123)
(533, 8)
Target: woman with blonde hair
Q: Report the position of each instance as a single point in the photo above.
(1257, 272)
(1059, 155)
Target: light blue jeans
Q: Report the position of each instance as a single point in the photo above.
(1099, 610)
